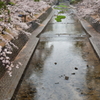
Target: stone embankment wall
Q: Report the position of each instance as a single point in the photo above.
(41, 18)
(94, 23)
(23, 38)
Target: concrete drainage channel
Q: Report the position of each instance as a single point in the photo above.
(94, 36)
(7, 88)
(92, 31)
(9, 84)
(64, 65)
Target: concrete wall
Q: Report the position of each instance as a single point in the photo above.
(22, 39)
(34, 25)
(95, 24)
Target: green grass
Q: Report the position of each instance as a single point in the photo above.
(11, 3)
(36, 0)
(57, 8)
(61, 12)
(74, 1)
(62, 3)
(59, 18)
(60, 9)
(63, 9)
(63, 6)
(1, 19)
(2, 5)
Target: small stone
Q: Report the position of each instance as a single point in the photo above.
(60, 76)
(90, 88)
(24, 96)
(73, 73)
(78, 88)
(87, 65)
(97, 77)
(66, 78)
(31, 92)
(43, 88)
(57, 83)
(55, 63)
(76, 68)
(81, 93)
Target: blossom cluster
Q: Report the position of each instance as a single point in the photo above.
(89, 7)
(30, 9)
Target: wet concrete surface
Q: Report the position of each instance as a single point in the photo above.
(64, 65)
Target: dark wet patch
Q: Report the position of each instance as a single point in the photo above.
(76, 68)
(66, 78)
(57, 83)
(55, 63)
(73, 73)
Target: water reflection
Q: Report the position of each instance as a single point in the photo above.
(91, 90)
(60, 55)
(69, 25)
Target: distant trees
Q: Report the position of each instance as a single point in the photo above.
(74, 1)
(11, 24)
(7, 1)
(89, 7)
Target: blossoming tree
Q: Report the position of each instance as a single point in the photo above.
(11, 22)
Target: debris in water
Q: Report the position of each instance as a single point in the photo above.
(57, 83)
(76, 68)
(66, 78)
(73, 73)
(60, 76)
(81, 93)
(90, 88)
(24, 96)
(97, 77)
(87, 65)
(78, 88)
(55, 63)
